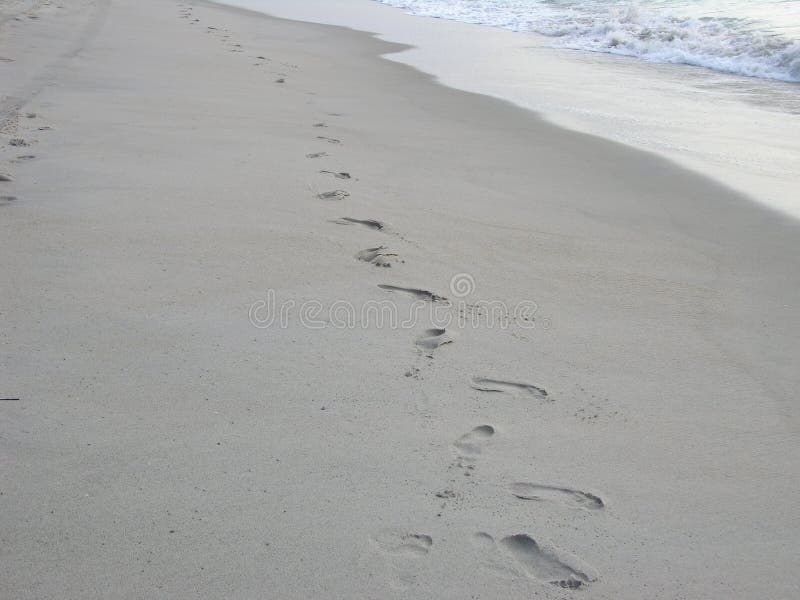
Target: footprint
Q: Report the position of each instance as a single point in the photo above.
(319, 125)
(403, 552)
(317, 155)
(371, 223)
(4, 177)
(23, 158)
(340, 175)
(568, 496)
(483, 384)
(433, 338)
(281, 80)
(545, 564)
(397, 543)
(377, 256)
(333, 195)
(417, 293)
(470, 445)
(329, 140)
(5, 200)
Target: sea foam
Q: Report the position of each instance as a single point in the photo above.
(658, 31)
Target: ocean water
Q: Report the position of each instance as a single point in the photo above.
(758, 38)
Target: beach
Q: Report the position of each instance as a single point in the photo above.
(282, 318)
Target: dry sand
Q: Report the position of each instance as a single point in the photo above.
(639, 441)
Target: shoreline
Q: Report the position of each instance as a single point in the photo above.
(707, 109)
(625, 441)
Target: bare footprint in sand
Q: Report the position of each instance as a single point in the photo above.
(369, 223)
(396, 542)
(403, 552)
(433, 338)
(547, 565)
(415, 292)
(378, 256)
(329, 140)
(340, 175)
(333, 195)
(482, 384)
(317, 155)
(470, 446)
(567, 496)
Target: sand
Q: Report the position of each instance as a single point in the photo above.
(632, 432)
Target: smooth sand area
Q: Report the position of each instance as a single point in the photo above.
(640, 440)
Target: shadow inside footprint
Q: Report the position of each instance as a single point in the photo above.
(568, 496)
(543, 564)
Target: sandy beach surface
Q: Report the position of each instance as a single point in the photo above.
(582, 381)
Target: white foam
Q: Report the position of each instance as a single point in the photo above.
(656, 31)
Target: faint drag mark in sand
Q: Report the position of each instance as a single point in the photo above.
(369, 223)
(403, 552)
(567, 496)
(433, 338)
(470, 446)
(482, 384)
(378, 256)
(417, 293)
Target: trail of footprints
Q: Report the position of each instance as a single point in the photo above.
(516, 552)
(15, 126)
